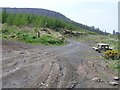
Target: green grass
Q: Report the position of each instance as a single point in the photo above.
(16, 34)
(46, 39)
(114, 65)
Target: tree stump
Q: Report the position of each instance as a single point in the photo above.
(38, 34)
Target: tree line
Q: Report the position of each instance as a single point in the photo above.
(35, 21)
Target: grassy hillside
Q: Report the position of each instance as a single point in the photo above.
(14, 28)
(35, 20)
(29, 35)
(52, 14)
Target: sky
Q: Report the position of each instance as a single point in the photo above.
(102, 14)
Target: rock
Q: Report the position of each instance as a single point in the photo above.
(92, 65)
(42, 84)
(113, 83)
(116, 78)
(72, 84)
(97, 79)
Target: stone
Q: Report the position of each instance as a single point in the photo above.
(116, 78)
(113, 83)
(92, 65)
(42, 84)
(97, 79)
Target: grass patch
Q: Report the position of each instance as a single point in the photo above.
(46, 39)
(114, 65)
(17, 34)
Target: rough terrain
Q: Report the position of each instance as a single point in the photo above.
(74, 65)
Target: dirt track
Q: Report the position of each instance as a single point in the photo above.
(70, 66)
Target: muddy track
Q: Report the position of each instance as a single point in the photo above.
(39, 66)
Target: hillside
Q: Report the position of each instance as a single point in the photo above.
(52, 14)
(37, 11)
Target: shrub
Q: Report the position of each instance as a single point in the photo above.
(113, 54)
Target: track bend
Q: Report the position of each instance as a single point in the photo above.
(39, 66)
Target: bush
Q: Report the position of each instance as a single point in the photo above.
(113, 54)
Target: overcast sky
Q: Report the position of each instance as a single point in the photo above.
(100, 13)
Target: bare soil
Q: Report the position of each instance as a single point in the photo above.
(38, 66)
